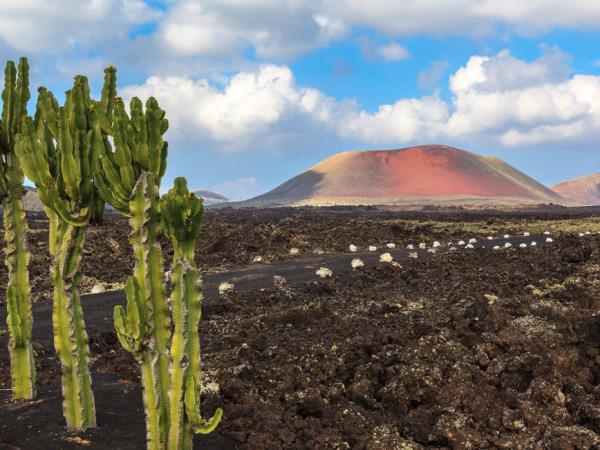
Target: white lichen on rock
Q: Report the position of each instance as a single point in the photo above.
(324, 272)
(356, 263)
(225, 287)
(386, 257)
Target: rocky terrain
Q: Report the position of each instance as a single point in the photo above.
(467, 349)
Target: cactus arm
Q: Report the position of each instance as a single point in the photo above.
(19, 317)
(178, 364)
(181, 217)
(109, 92)
(192, 400)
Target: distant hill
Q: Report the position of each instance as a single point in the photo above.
(211, 198)
(413, 175)
(32, 201)
(583, 190)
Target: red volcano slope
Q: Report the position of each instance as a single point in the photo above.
(584, 190)
(409, 175)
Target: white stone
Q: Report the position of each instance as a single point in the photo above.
(549, 240)
(469, 246)
(257, 259)
(546, 232)
(410, 247)
(461, 242)
(526, 234)
(587, 233)
(352, 248)
(391, 245)
(294, 251)
(436, 244)
(414, 255)
(496, 247)
(533, 243)
(507, 245)
(422, 245)
(225, 287)
(324, 272)
(386, 257)
(523, 245)
(472, 241)
(506, 236)
(98, 289)
(490, 238)
(372, 248)
(357, 262)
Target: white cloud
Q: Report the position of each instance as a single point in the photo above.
(254, 107)
(224, 30)
(392, 52)
(495, 99)
(406, 120)
(61, 25)
(386, 52)
(238, 189)
(465, 17)
(275, 29)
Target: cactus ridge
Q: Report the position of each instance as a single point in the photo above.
(15, 96)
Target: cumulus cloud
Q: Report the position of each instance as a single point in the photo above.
(286, 28)
(253, 107)
(498, 99)
(459, 17)
(61, 25)
(275, 29)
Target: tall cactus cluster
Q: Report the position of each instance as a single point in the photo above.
(80, 155)
(161, 334)
(55, 150)
(18, 302)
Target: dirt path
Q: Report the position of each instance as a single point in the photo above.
(98, 308)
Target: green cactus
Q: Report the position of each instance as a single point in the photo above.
(55, 150)
(18, 290)
(129, 177)
(181, 217)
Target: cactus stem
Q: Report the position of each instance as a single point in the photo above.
(70, 337)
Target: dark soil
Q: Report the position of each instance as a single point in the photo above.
(470, 349)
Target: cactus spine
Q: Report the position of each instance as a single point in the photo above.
(55, 151)
(129, 178)
(18, 304)
(181, 216)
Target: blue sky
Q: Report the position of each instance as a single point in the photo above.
(259, 90)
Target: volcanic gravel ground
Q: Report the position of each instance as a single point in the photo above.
(233, 237)
(469, 349)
